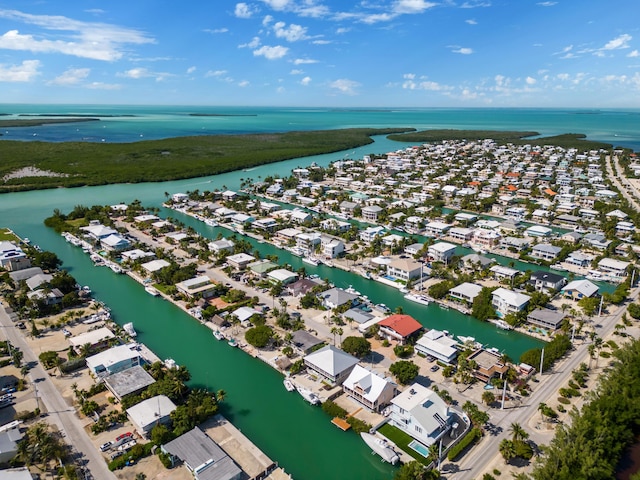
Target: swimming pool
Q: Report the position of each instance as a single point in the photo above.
(420, 448)
(389, 277)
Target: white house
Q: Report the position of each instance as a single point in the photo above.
(331, 247)
(611, 266)
(369, 388)
(421, 413)
(578, 289)
(404, 268)
(368, 234)
(507, 301)
(150, 412)
(441, 252)
(282, 275)
(465, 292)
(114, 360)
(331, 363)
(545, 251)
(436, 344)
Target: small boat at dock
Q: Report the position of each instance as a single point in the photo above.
(233, 343)
(308, 395)
(151, 291)
(115, 268)
(218, 335)
(421, 299)
(502, 324)
(311, 261)
(128, 327)
(380, 447)
(288, 384)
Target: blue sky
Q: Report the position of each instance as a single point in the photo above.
(405, 53)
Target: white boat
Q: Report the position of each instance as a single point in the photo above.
(502, 324)
(558, 267)
(211, 222)
(421, 299)
(404, 290)
(151, 291)
(232, 342)
(218, 334)
(382, 308)
(465, 340)
(86, 289)
(311, 261)
(380, 447)
(170, 363)
(352, 290)
(288, 384)
(128, 327)
(308, 395)
(115, 268)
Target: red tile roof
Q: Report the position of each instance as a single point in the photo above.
(404, 325)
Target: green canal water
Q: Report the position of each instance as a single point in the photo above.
(298, 436)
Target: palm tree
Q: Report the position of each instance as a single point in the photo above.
(339, 331)
(542, 408)
(517, 432)
(334, 331)
(488, 397)
(507, 450)
(220, 396)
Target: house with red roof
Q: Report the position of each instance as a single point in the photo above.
(399, 327)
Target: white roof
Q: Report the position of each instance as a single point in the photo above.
(331, 360)
(245, 313)
(442, 247)
(111, 357)
(99, 230)
(145, 218)
(509, 296)
(155, 265)
(136, 254)
(424, 405)
(585, 287)
(467, 289)
(150, 410)
(281, 274)
(92, 337)
(437, 341)
(613, 264)
(240, 258)
(371, 384)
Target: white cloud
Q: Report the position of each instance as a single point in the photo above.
(530, 81)
(633, 54)
(136, 73)
(619, 42)
(292, 34)
(547, 4)
(97, 41)
(344, 85)
(104, 86)
(475, 4)
(216, 73)
(267, 20)
(471, 21)
(305, 81)
(409, 76)
(216, 30)
(25, 72)
(254, 43)
(296, 71)
(244, 83)
(271, 53)
(73, 76)
(412, 6)
(304, 61)
(277, 4)
(342, 30)
(95, 11)
(244, 10)
(190, 70)
(322, 42)
(463, 51)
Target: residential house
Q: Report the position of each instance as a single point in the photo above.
(347, 208)
(282, 275)
(421, 413)
(197, 287)
(538, 231)
(461, 234)
(300, 216)
(489, 364)
(545, 318)
(114, 360)
(128, 382)
(96, 339)
(331, 247)
(369, 389)
(370, 213)
(335, 297)
(399, 327)
(308, 241)
(240, 261)
(441, 252)
(547, 281)
(578, 289)
(222, 245)
(115, 243)
(304, 342)
(613, 267)
(368, 234)
(12, 257)
(404, 268)
(202, 457)
(149, 413)
(331, 363)
(507, 301)
(579, 259)
(596, 240)
(436, 229)
(474, 261)
(545, 251)
(465, 292)
(437, 344)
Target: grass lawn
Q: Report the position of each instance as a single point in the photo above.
(402, 440)
(7, 235)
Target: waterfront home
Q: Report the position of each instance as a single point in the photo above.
(335, 297)
(179, 197)
(624, 229)
(240, 261)
(25, 274)
(404, 268)
(347, 208)
(146, 218)
(39, 280)
(436, 229)
(370, 213)
(304, 343)
(579, 259)
(489, 364)
(571, 237)
(222, 245)
(12, 257)
(414, 248)
(547, 281)
(441, 252)
(462, 234)
(48, 296)
(369, 389)
(596, 240)
(155, 265)
(333, 225)
(399, 327)
(113, 360)
(301, 287)
(507, 301)
(288, 235)
(331, 247)
(545, 318)
(96, 339)
(128, 382)
(331, 363)
(300, 216)
(515, 243)
(538, 231)
(97, 231)
(465, 218)
(486, 238)
(202, 457)
(578, 289)
(136, 254)
(613, 267)
(308, 241)
(421, 413)
(115, 243)
(436, 344)
(149, 413)
(282, 275)
(474, 261)
(368, 234)
(197, 287)
(260, 268)
(266, 224)
(357, 315)
(465, 292)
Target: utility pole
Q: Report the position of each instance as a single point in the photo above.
(504, 394)
(541, 361)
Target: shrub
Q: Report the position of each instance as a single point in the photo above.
(358, 425)
(564, 401)
(333, 409)
(165, 459)
(467, 440)
(71, 365)
(561, 409)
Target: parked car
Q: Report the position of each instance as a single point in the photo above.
(434, 368)
(127, 446)
(115, 455)
(105, 446)
(21, 325)
(430, 358)
(123, 436)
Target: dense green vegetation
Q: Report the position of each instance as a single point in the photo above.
(591, 444)
(167, 159)
(467, 440)
(553, 351)
(567, 140)
(43, 121)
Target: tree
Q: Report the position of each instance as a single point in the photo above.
(357, 346)
(46, 260)
(488, 397)
(517, 432)
(414, 470)
(220, 396)
(405, 371)
(160, 434)
(507, 450)
(259, 336)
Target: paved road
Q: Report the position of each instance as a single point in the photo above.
(628, 190)
(477, 460)
(59, 412)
